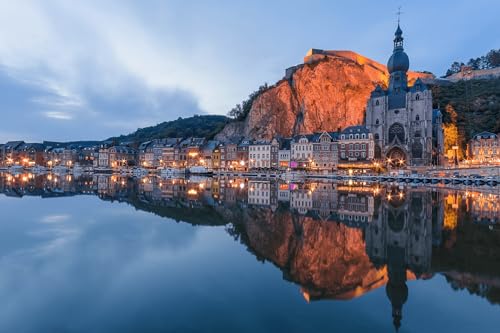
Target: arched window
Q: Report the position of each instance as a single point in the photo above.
(377, 102)
(376, 122)
(377, 136)
(417, 118)
(417, 97)
(397, 131)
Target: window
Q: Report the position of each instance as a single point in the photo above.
(363, 136)
(350, 146)
(376, 122)
(350, 136)
(377, 102)
(396, 131)
(417, 118)
(356, 136)
(377, 136)
(417, 97)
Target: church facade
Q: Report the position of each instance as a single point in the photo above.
(407, 131)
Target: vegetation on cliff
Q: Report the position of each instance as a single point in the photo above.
(470, 107)
(206, 126)
(490, 60)
(240, 111)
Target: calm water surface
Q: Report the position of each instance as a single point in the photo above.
(112, 254)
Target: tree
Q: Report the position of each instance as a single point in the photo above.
(493, 58)
(240, 111)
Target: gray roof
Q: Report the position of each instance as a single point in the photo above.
(356, 130)
(485, 135)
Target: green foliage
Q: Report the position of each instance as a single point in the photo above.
(472, 105)
(240, 111)
(197, 126)
(490, 60)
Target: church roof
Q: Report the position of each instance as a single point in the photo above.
(378, 92)
(419, 85)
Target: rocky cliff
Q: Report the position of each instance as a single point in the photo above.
(324, 94)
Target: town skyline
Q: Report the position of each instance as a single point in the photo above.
(57, 90)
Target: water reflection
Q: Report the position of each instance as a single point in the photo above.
(335, 240)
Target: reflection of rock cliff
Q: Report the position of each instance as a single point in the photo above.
(329, 92)
(327, 259)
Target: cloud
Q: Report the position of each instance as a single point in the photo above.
(101, 64)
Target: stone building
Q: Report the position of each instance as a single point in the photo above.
(484, 148)
(406, 129)
(356, 144)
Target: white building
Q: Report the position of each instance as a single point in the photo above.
(259, 155)
(259, 192)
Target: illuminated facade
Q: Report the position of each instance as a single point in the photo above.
(406, 130)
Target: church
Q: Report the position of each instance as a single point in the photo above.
(406, 129)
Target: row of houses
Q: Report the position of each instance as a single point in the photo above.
(317, 151)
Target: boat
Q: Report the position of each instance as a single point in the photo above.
(171, 172)
(200, 170)
(16, 169)
(59, 169)
(38, 170)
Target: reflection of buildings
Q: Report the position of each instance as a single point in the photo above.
(336, 240)
(259, 192)
(401, 237)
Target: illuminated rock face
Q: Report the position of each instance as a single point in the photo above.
(325, 94)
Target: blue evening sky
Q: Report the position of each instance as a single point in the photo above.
(92, 69)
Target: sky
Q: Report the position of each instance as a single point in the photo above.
(76, 70)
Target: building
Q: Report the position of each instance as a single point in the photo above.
(259, 154)
(284, 154)
(356, 144)
(10, 152)
(484, 148)
(231, 155)
(401, 118)
(242, 151)
(301, 152)
(121, 156)
(30, 154)
(325, 155)
(103, 160)
(146, 154)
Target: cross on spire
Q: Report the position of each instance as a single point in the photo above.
(398, 13)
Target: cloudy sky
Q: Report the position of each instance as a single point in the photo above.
(92, 69)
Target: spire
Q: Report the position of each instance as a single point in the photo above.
(398, 39)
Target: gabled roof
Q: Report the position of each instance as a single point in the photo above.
(418, 86)
(13, 144)
(378, 91)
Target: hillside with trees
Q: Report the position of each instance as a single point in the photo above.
(197, 126)
(469, 107)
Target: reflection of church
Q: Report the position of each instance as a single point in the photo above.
(407, 131)
(400, 237)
